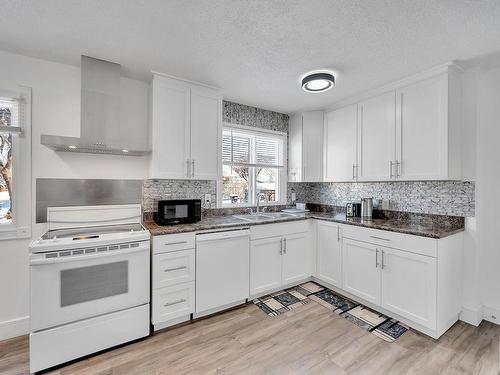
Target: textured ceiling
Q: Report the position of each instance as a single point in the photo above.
(257, 50)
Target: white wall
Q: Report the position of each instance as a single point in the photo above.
(56, 110)
(487, 193)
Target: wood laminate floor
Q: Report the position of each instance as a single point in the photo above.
(307, 340)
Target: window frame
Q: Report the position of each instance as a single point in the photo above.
(20, 227)
(283, 178)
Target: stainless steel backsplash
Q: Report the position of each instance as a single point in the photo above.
(59, 192)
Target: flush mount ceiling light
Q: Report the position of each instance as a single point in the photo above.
(318, 82)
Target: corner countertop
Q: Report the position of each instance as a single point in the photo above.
(431, 226)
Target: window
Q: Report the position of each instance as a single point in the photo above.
(14, 163)
(252, 164)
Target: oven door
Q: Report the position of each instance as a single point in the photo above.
(76, 287)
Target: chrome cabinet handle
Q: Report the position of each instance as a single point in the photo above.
(188, 170)
(338, 233)
(376, 258)
(281, 246)
(284, 245)
(174, 269)
(383, 265)
(380, 238)
(175, 302)
(353, 168)
(192, 168)
(398, 168)
(175, 243)
(390, 168)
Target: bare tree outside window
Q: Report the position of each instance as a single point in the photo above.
(5, 166)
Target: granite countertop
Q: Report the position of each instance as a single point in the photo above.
(431, 226)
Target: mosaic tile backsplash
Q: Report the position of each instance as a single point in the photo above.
(456, 198)
(241, 114)
(155, 190)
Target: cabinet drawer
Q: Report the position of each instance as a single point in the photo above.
(173, 268)
(173, 242)
(279, 229)
(173, 302)
(407, 242)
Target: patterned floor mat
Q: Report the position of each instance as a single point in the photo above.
(379, 324)
(285, 300)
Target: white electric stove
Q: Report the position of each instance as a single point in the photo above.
(90, 276)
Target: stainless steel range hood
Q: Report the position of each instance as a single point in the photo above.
(100, 131)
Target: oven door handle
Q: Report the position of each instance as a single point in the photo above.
(39, 259)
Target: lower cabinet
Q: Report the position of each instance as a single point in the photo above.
(329, 253)
(419, 281)
(296, 258)
(361, 270)
(172, 302)
(279, 260)
(409, 285)
(265, 264)
(173, 279)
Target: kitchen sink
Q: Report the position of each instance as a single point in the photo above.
(263, 216)
(253, 217)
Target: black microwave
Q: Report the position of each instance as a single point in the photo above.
(178, 211)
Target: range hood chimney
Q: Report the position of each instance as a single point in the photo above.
(100, 114)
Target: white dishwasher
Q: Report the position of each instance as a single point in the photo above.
(222, 270)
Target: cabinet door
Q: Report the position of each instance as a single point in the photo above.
(329, 255)
(206, 120)
(312, 146)
(361, 275)
(422, 129)
(340, 144)
(295, 148)
(296, 258)
(265, 265)
(170, 130)
(409, 285)
(377, 138)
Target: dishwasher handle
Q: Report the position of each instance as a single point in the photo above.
(226, 235)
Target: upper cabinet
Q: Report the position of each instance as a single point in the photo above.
(186, 130)
(376, 138)
(306, 147)
(340, 144)
(410, 132)
(428, 129)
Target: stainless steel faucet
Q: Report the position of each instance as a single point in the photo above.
(258, 200)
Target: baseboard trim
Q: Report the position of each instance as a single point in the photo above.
(472, 315)
(14, 327)
(491, 314)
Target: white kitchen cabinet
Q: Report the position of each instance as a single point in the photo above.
(340, 144)
(186, 130)
(329, 253)
(265, 264)
(172, 304)
(280, 255)
(206, 107)
(305, 158)
(170, 129)
(427, 129)
(376, 138)
(173, 279)
(417, 279)
(361, 273)
(409, 285)
(296, 258)
(409, 130)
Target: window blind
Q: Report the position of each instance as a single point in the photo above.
(11, 115)
(248, 148)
